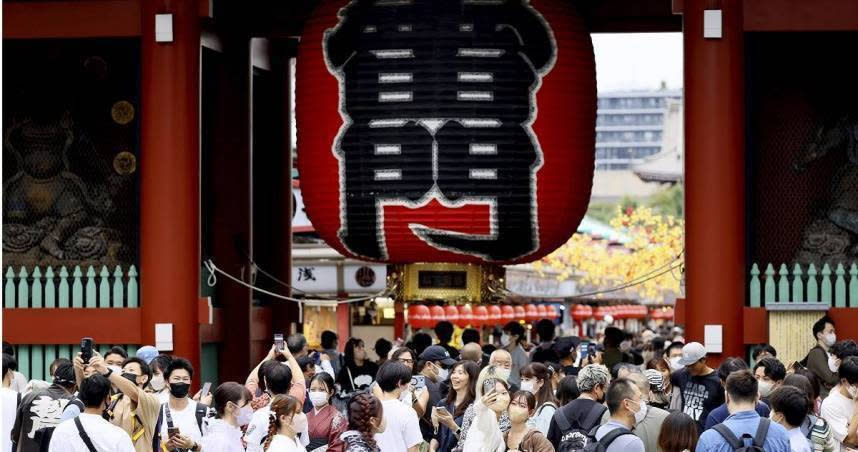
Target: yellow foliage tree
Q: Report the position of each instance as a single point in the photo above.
(652, 255)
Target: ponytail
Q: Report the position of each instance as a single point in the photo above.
(282, 405)
(361, 408)
(272, 430)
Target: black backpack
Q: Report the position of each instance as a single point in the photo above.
(575, 438)
(738, 444)
(602, 444)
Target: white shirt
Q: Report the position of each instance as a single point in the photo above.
(797, 441)
(19, 382)
(9, 402)
(403, 427)
(257, 430)
(282, 443)
(221, 437)
(185, 420)
(105, 436)
(838, 410)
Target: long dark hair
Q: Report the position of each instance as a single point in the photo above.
(678, 433)
(567, 390)
(361, 408)
(349, 351)
(473, 370)
(540, 372)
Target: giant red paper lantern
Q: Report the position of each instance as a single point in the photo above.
(419, 316)
(466, 316)
(530, 313)
(444, 131)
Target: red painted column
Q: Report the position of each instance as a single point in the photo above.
(169, 177)
(715, 176)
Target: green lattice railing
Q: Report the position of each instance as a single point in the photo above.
(38, 288)
(34, 360)
(804, 288)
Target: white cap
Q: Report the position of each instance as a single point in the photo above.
(691, 353)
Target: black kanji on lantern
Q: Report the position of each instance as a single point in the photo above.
(438, 97)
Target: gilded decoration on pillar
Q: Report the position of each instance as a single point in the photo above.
(122, 112)
(448, 282)
(124, 163)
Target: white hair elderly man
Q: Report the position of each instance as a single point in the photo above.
(573, 421)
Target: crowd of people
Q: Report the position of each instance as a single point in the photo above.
(620, 392)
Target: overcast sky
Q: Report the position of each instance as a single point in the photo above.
(637, 61)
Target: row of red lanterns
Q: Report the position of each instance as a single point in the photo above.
(661, 314)
(630, 311)
(422, 316)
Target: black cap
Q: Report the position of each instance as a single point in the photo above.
(64, 374)
(563, 345)
(437, 353)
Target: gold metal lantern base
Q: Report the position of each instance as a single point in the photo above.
(451, 283)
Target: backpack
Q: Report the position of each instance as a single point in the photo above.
(575, 438)
(200, 413)
(602, 444)
(738, 444)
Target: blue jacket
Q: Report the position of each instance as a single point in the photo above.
(744, 422)
(718, 415)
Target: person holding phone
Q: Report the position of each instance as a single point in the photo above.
(449, 413)
(486, 432)
(521, 435)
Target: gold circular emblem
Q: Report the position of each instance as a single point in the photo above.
(125, 163)
(122, 112)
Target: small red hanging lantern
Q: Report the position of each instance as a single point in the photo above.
(530, 313)
(582, 311)
(541, 311)
(438, 315)
(481, 317)
(466, 316)
(495, 316)
(451, 313)
(418, 316)
(552, 312)
(519, 313)
(507, 314)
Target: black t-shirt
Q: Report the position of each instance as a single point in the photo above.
(452, 350)
(360, 378)
(426, 421)
(575, 411)
(700, 394)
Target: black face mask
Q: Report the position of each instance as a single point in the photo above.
(130, 377)
(179, 390)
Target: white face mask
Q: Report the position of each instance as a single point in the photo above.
(853, 391)
(299, 423)
(502, 373)
(245, 414)
(640, 414)
(765, 388)
(443, 374)
(116, 369)
(504, 339)
(674, 364)
(158, 382)
(406, 397)
(528, 386)
(833, 363)
(829, 339)
(319, 398)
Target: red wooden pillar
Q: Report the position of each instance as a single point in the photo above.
(169, 177)
(715, 175)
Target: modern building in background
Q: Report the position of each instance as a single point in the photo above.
(630, 131)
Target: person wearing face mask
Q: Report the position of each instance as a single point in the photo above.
(770, 374)
(366, 419)
(840, 408)
(501, 360)
(278, 380)
(521, 435)
(699, 386)
(284, 425)
(133, 409)
(325, 422)
(742, 396)
(469, 418)
(649, 424)
(232, 407)
(667, 395)
(187, 415)
(435, 361)
(673, 354)
(536, 379)
(486, 432)
(95, 394)
(403, 426)
(819, 359)
(572, 422)
(789, 408)
(718, 415)
(511, 341)
(158, 385)
(627, 409)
